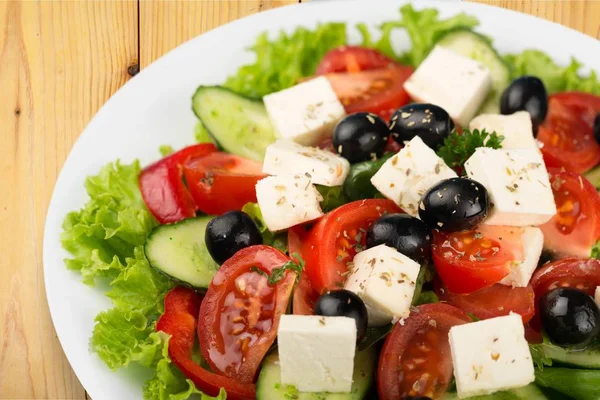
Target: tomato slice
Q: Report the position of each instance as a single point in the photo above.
(222, 182)
(415, 359)
(240, 313)
(305, 297)
(352, 59)
(472, 260)
(179, 321)
(493, 301)
(379, 91)
(333, 241)
(567, 133)
(575, 228)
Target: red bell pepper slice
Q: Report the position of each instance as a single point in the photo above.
(162, 187)
(179, 320)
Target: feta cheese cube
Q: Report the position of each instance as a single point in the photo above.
(597, 295)
(285, 157)
(532, 240)
(518, 185)
(456, 83)
(405, 177)
(516, 129)
(316, 353)
(385, 280)
(287, 200)
(490, 355)
(305, 113)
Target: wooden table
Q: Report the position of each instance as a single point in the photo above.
(59, 62)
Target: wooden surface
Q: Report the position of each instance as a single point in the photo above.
(59, 62)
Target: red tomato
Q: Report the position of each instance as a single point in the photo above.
(575, 228)
(222, 182)
(179, 321)
(379, 91)
(415, 359)
(472, 260)
(305, 297)
(493, 301)
(162, 187)
(352, 59)
(334, 240)
(567, 133)
(240, 313)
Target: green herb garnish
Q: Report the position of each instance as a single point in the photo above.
(458, 147)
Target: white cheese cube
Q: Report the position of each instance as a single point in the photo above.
(305, 113)
(518, 185)
(516, 129)
(532, 240)
(286, 157)
(287, 200)
(456, 83)
(490, 355)
(405, 177)
(316, 353)
(385, 280)
(597, 295)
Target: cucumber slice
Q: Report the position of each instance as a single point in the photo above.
(589, 358)
(178, 250)
(529, 392)
(238, 124)
(479, 48)
(268, 386)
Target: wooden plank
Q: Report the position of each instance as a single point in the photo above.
(166, 24)
(59, 62)
(582, 15)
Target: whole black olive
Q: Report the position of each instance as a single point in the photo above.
(360, 137)
(430, 122)
(597, 128)
(229, 233)
(569, 316)
(455, 204)
(344, 303)
(409, 235)
(526, 93)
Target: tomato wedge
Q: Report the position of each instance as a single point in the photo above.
(415, 359)
(567, 134)
(334, 240)
(379, 91)
(472, 260)
(222, 182)
(575, 228)
(493, 301)
(352, 59)
(162, 187)
(179, 321)
(240, 313)
(305, 297)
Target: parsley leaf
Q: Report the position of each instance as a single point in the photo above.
(458, 147)
(278, 273)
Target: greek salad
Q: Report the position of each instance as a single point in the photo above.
(354, 223)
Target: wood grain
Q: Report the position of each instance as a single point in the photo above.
(59, 62)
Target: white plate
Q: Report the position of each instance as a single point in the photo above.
(154, 109)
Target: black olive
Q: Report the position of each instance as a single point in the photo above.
(526, 93)
(229, 233)
(344, 303)
(409, 235)
(455, 204)
(569, 317)
(597, 128)
(360, 137)
(430, 122)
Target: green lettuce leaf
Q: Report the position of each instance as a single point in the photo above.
(333, 197)
(201, 134)
(555, 77)
(579, 384)
(283, 61)
(274, 239)
(168, 383)
(424, 28)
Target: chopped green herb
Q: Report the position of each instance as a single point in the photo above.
(457, 148)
